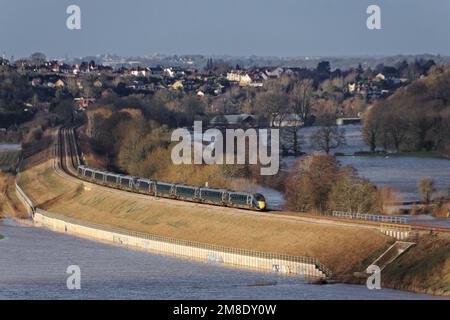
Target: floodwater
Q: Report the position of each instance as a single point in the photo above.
(400, 173)
(9, 147)
(33, 264)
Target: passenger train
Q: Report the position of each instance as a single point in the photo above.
(219, 197)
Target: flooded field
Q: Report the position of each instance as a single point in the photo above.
(9, 147)
(33, 265)
(400, 173)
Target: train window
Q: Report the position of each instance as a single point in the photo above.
(258, 197)
(99, 176)
(88, 173)
(144, 185)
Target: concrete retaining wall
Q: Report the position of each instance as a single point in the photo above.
(255, 261)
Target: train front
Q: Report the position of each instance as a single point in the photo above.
(259, 201)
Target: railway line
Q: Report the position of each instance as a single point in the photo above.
(67, 159)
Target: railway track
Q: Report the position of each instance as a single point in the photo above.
(68, 158)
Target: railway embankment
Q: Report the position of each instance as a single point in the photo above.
(343, 248)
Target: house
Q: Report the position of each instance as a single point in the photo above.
(274, 73)
(36, 82)
(59, 84)
(351, 87)
(178, 85)
(380, 77)
(168, 72)
(287, 120)
(140, 72)
(158, 71)
(98, 83)
(242, 77)
(83, 103)
(234, 121)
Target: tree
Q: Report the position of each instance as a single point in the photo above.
(301, 103)
(273, 106)
(350, 193)
(426, 188)
(308, 187)
(328, 137)
(371, 130)
(37, 58)
(323, 67)
(318, 183)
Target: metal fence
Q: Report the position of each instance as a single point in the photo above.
(370, 217)
(212, 247)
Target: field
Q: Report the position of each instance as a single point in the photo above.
(9, 160)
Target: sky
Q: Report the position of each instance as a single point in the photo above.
(287, 28)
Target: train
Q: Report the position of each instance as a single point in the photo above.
(220, 197)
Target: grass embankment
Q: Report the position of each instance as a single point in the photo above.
(9, 203)
(424, 268)
(338, 247)
(1, 237)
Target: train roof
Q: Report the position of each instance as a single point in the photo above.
(186, 186)
(145, 180)
(215, 190)
(241, 193)
(127, 177)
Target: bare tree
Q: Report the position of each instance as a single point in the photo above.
(328, 137)
(273, 106)
(301, 103)
(371, 129)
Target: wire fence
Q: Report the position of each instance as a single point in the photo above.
(370, 217)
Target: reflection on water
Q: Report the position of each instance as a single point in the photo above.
(33, 265)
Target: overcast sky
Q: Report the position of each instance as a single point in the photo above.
(235, 27)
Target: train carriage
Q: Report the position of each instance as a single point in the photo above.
(127, 182)
(247, 200)
(239, 199)
(145, 186)
(88, 173)
(185, 192)
(99, 176)
(214, 196)
(164, 189)
(112, 179)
